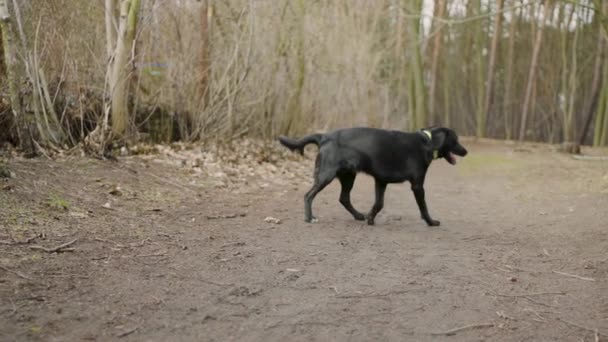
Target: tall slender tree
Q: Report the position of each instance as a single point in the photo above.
(25, 127)
(436, 30)
(496, 37)
(120, 68)
(533, 68)
(417, 97)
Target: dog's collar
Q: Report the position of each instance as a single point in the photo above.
(428, 134)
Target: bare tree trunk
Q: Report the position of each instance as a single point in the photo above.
(480, 115)
(294, 108)
(110, 15)
(416, 69)
(508, 100)
(568, 120)
(592, 102)
(440, 9)
(206, 13)
(2, 64)
(532, 72)
(120, 76)
(447, 80)
(600, 134)
(25, 130)
(492, 59)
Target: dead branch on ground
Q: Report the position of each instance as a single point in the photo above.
(14, 242)
(161, 253)
(127, 332)
(466, 327)
(19, 274)
(530, 294)
(573, 276)
(373, 294)
(59, 249)
(596, 332)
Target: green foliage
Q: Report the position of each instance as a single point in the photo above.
(57, 202)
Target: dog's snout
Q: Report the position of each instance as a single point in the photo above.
(461, 151)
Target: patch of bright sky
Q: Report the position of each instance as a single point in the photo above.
(528, 9)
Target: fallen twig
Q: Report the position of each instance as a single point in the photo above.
(27, 241)
(512, 268)
(595, 158)
(501, 314)
(103, 240)
(225, 216)
(21, 275)
(127, 332)
(373, 294)
(594, 331)
(540, 303)
(466, 327)
(12, 253)
(573, 276)
(540, 318)
(152, 254)
(63, 274)
(216, 283)
(58, 249)
(140, 244)
(529, 294)
(155, 262)
(14, 309)
(31, 238)
(236, 243)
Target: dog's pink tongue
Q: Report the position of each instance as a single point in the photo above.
(453, 158)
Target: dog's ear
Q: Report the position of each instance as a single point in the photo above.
(438, 138)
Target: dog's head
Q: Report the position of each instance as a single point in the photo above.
(445, 142)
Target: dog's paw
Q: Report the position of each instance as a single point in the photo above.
(370, 221)
(311, 220)
(359, 217)
(433, 223)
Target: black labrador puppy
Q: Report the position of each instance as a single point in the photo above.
(388, 156)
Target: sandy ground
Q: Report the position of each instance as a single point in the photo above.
(165, 251)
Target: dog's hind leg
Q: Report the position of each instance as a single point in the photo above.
(379, 202)
(347, 180)
(323, 176)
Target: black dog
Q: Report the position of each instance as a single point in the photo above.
(388, 156)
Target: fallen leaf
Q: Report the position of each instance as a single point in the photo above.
(271, 219)
(78, 215)
(116, 191)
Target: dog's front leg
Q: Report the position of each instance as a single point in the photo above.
(418, 190)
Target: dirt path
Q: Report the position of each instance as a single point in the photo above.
(521, 254)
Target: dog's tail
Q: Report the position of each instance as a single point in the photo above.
(298, 145)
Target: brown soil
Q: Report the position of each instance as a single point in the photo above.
(168, 252)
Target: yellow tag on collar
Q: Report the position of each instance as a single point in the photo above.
(428, 133)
